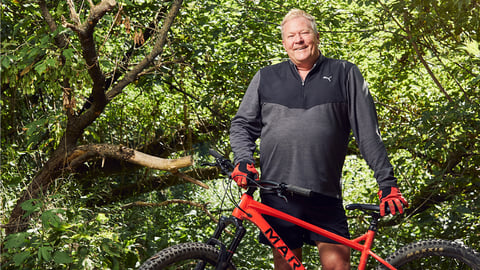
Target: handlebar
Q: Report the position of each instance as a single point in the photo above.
(226, 166)
(299, 190)
(215, 154)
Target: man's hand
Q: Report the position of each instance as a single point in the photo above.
(393, 198)
(242, 171)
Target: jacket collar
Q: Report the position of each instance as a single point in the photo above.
(320, 59)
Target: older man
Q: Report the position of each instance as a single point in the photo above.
(304, 110)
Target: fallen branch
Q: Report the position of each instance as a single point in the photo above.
(84, 153)
(191, 180)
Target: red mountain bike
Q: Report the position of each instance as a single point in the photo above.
(214, 254)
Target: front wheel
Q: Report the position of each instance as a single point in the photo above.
(434, 254)
(185, 256)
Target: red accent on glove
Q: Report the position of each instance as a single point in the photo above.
(244, 171)
(393, 198)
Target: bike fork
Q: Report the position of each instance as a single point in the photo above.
(225, 255)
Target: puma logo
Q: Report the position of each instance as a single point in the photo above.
(329, 78)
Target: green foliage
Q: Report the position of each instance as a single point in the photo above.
(421, 59)
(72, 237)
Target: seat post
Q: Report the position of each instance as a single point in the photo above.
(374, 222)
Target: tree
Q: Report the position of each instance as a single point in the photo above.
(68, 155)
(433, 40)
(78, 99)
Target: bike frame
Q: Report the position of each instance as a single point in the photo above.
(252, 210)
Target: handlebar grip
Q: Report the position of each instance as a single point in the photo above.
(215, 153)
(223, 163)
(299, 190)
(368, 207)
(362, 206)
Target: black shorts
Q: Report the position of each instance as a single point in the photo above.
(323, 211)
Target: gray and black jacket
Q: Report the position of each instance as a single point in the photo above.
(305, 126)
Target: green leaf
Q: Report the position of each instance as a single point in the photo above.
(102, 218)
(50, 218)
(31, 206)
(472, 47)
(45, 252)
(109, 248)
(68, 53)
(476, 80)
(41, 67)
(51, 62)
(16, 240)
(19, 258)
(62, 257)
(5, 62)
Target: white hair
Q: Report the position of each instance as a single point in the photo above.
(294, 13)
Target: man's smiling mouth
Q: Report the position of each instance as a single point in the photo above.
(300, 49)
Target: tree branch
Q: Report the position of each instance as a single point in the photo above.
(412, 41)
(85, 33)
(60, 40)
(56, 164)
(73, 13)
(157, 50)
(86, 152)
(191, 180)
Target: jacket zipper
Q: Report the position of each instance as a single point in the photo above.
(303, 82)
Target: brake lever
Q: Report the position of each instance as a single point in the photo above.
(281, 191)
(279, 194)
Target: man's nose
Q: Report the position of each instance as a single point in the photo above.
(298, 38)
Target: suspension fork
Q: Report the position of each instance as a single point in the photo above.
(226, 255)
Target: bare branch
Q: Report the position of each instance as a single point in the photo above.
(69, 25)
(90, 2)
(73, 13)
(191, 180)
(85, 33)
(86, 152)
(97, 13)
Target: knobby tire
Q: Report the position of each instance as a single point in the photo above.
(185, 256)
(434, 254)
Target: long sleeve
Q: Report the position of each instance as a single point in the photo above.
(246, 125)
(364, 123)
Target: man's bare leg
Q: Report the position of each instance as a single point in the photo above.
(334, 256)
(279, 262)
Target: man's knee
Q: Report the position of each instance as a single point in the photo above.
(280, 263)
(333, 256)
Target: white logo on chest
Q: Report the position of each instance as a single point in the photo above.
(329, 78)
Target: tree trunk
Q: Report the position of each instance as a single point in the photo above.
(61, 160)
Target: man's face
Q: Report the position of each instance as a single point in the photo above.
(300, 42)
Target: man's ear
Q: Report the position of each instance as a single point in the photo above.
(283, 43)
